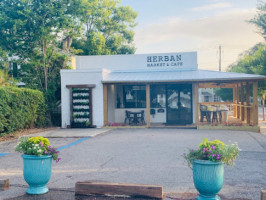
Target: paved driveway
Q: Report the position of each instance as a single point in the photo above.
(145, 156)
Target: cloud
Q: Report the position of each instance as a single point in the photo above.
(230, 29)
(212, 7)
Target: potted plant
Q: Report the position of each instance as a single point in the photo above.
(37, 160)
(207, 163)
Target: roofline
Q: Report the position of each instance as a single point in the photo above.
(190, 80)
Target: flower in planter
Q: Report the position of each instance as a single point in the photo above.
(215, 151)
(38, 146)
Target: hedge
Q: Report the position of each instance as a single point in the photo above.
(21, 108)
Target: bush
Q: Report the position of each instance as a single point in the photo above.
(21, 108)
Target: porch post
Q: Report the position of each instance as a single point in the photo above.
(196, 102)
(237, 102)
(248, 103)
(234, 100)
(148, 106)
(105, 105)
(255, 104)
(242, 103)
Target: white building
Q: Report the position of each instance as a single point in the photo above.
(163, 87)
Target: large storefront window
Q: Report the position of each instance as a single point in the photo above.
(134, 96)
(158, 96)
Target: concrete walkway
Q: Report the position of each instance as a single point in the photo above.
(73, 133)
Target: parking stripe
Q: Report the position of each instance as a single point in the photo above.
(60, 148)
(69, 145)
(3, 154)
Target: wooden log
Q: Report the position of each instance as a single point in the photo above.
(133, 190)
(4, 184)
(263, 194)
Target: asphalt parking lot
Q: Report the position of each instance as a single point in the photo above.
(144, 156)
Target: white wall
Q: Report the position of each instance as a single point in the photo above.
(81, 77)
(139, 61)
(158, 117)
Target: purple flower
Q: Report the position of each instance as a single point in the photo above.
(213, 155)
(49, 147)
(218, 157)
(41, 144)
(58, 159)
(45, 152)
(204, 149)
(213, 147)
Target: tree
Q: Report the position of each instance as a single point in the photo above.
(108, 28)
(226, 94)
(253, 61)
(260, 19)
(32, 29)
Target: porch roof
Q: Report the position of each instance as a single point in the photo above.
(176, 76)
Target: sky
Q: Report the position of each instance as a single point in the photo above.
(196, 25)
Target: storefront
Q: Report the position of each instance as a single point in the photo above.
(157, 89)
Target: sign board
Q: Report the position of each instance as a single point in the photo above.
(165, 61)
(157, 61)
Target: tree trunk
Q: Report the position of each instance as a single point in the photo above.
(44, 65)
(263, 102)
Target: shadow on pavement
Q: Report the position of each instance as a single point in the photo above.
(55, 194)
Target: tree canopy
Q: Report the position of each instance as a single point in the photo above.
(108, 28)
(41, 35)
(260, 19)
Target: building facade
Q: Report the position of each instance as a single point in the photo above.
(144, 89)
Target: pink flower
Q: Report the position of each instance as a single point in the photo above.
(213, 147)
(41, 144)
(58, 159)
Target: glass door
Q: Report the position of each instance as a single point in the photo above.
(179, 104)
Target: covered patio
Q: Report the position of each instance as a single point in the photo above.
(242, 111)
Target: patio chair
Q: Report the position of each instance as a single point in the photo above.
(128, 117)
(142, 117)
(204, 113)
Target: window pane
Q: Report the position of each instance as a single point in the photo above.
(135, 96)
(158, 96)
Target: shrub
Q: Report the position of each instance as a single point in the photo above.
(21, 108)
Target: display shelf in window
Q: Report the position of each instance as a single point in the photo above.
(81, 104)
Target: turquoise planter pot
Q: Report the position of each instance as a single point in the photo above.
(37, 172)
(208, 179)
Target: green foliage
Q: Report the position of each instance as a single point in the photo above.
(39, 34)
(37, 146)
(38, 140)
(20, 109)
(260, 19)
(252, 62)
(108, 28)
(226, 94)
(215, 151)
